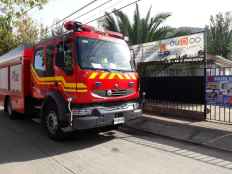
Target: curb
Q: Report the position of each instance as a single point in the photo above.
(213, 138)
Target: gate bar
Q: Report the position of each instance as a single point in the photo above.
(205, 71)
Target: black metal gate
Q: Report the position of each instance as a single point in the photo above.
(181, 89)
(188, 90)
(175, 87)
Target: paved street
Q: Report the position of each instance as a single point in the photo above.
(25, 149)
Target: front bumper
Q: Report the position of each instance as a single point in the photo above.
(105, 116)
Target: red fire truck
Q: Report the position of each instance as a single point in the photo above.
(81, 80)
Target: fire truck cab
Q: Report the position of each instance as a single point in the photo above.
(81, 80)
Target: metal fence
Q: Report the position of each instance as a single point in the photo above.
(219, 113)
(184, 90)
(219, 108)
(178, 106)
(179, 89)
(175, 88)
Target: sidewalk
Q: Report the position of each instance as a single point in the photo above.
(209, 134)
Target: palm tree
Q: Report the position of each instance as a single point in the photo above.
(141, 30)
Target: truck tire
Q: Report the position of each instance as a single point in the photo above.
(51, 122)
(9, 110)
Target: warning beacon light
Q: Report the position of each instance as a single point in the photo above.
(77, 26)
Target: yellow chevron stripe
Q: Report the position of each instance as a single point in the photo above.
(127, 76)
(103, 75)
(120, 76)
(133, 76)
(112, 75)
(93, 75)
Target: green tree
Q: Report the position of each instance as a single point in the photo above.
(43, 32)
(180, 32)
(12, 18)
(6, 36)
(220, 35)
(140, 30)
(16, 8)
(27, 31)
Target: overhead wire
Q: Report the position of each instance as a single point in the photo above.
(132, 3)
(95, 8)
(71, 14)
(109, 7)
(86, 13)
(90, 11)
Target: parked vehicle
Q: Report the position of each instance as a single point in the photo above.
(81, 80)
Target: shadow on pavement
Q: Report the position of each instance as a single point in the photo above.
(24, 140)
(197, 152)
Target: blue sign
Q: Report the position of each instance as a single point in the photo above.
(219, 90)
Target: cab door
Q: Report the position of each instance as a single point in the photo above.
(64, 68)
(38, 72)
(42, 71)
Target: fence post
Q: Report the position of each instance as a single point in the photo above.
(205, 72)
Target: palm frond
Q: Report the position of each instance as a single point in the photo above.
(110, 23)
(140, 30)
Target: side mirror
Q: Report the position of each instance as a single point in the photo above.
(60, 59)
(68, 69)
(64, 58)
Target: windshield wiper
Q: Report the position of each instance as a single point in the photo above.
(120, 70)
(108, 70)
(100, 69)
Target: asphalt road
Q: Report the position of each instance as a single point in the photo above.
(25, 149)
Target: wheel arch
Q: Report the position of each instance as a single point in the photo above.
(61, 106)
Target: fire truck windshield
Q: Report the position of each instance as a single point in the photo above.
(103, 55)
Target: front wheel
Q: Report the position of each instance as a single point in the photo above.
(51, 122)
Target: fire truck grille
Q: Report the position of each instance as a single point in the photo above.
(113, 93)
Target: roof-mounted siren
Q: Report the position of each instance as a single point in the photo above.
(71, 25)
(77, 26)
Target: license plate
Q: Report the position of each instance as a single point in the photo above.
(119, 120)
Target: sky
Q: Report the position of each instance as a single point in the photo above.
(194, 13)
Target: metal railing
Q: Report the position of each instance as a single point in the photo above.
(220, 111)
